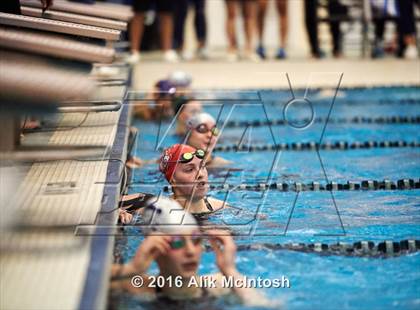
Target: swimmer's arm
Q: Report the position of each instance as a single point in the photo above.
(148, 251)
(143, 112)
(122, 271)
(225, 250)
(138, 162)
(124, 216)
(147, 162)
(219, 161)
(121, 279)
(218, 204)
(121, 275)
(153, 246)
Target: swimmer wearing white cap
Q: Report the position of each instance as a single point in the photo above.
(203, 134)
(185, 108)
(173, 239)
(180, 79)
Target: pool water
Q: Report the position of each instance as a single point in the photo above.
(317, 282)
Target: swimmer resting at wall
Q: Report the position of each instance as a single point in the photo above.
(185, 108)
(160, 105)
(203, 134)
(173, 239)
(165, 91)
(182, 166)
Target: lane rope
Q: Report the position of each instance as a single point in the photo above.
(349, 101)
(386, 248)
(354, 120)
(303, 146)
(365, 185)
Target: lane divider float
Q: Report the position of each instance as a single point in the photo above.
(354, 120)
(303, 146)
(365, 185)
(383, 249)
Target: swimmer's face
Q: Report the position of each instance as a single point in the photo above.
(167, 109)
(188, 110)
(202, 136)
(163, 101)
(190, 179)
(183, 90)
(164, 107)
(184, 255)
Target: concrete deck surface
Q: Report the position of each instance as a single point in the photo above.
(272, 74)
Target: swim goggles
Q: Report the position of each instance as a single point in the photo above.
(202, 128)
(187, 157)
(178, 242)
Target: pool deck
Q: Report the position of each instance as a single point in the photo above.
(60, 256)
(218, 74)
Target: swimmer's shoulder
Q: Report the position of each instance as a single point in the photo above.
(217, 204)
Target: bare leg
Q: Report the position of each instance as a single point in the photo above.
(166, 30)
(231, 7)
(136, 31)
(262, 9)
(283, 22)
(410, 39)
(249, 16)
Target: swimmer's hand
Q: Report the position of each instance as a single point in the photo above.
(150, 249)
(225, 249)
(125, 217)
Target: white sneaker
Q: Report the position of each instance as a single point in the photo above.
(133, 58)
(232, 56)
(203, 53)
(187, 55)
(254, 57)
(411, 52)
(170, 56)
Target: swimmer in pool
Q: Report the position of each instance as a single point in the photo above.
(165, 91)
(203, 134)
(160, 105)
(175, 242)
(185, 108)
(133, 161)
(182, 81)
(183, 167)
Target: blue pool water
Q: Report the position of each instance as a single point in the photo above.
(317, 282)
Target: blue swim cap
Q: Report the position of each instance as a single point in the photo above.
(165, 87)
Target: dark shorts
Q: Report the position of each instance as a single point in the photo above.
(10, 6)
(158, 5)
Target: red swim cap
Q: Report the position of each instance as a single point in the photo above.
(170, 157)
